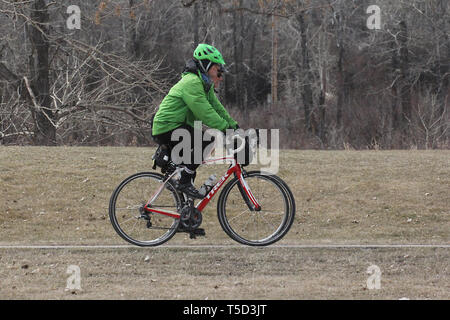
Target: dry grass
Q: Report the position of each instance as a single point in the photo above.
(60, 196)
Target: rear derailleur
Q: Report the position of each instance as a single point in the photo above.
(144, 215)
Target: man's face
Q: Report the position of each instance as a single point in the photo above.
(216, 75)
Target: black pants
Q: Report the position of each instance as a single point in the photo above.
(165, 139)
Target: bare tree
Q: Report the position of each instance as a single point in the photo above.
(337, 82)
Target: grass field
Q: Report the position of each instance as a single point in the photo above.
(59, 196)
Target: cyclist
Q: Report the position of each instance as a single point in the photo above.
(193, 99)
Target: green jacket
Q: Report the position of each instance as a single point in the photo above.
(187, 102)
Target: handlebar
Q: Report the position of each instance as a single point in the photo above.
(251, 136)
(230, 139)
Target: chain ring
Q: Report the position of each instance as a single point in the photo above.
(190, 218)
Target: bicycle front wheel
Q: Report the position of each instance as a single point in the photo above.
(256, 228)
(134, 224)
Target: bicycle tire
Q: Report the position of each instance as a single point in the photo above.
(284, 185)
(237, 231)
(288, 191)
(144, 179)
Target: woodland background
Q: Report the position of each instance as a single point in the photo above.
(312, 69)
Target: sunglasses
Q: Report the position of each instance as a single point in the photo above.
(220, 71)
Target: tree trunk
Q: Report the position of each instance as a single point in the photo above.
(196, 26)
(340, 73)
(250, 79)
(242, 77)
(205, 37)
(444, 69)
(340, 88)
(395, 119)
(404, 75)
(45, 131)
(307, 94)
(237, 47)
(135, 53)
(274, 60)
(322, 108)
(133, 44)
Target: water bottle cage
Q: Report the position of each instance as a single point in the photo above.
(207, 188)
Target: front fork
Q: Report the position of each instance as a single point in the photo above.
(246, 193)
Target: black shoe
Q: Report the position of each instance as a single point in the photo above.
(190, 191)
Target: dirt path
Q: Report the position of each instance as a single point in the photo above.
(226, 273)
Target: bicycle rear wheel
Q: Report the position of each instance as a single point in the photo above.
(134, 224)
(257, 228)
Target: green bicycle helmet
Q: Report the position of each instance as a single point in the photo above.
(208, 52)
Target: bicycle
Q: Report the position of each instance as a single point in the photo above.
(254, 208)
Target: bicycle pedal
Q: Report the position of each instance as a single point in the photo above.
(193, 233)
(200, 232)
(197, 232)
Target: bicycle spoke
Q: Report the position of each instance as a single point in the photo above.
(134, 208)
(161, 228)
(270, 212)
(267, 222)
(240, 214)
(148, 229)
(154, 206)
(257, 227)
(246, 224)
(132, 218)
(134, 226)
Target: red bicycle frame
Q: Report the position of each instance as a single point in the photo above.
(235, 168)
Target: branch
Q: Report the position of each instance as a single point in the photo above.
(120, 109)
(21, 133)
(273, 12)
(7, 75)
(103, 58)
(188, 4)
(37, 106)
